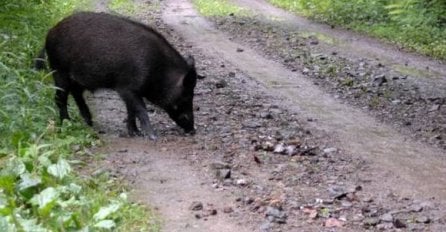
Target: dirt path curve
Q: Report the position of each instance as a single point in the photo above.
(348, 43)
(416, 168)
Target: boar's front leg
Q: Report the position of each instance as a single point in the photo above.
(136, 108)
(62, 84)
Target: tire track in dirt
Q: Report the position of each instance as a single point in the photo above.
(351, 44)
(417, 168)
(410, 99)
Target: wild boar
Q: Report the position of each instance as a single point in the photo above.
(90, 51)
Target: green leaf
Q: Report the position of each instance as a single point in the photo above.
(105, 211)
(71, 189)
(5, 225)
(30, 225)
(105, 224)
(44, 160)
(63, 217)
(16, 167)
(74, 188)
(60, 170)
(45, 197)
(28, 180)
(7, 182)
(69, 203)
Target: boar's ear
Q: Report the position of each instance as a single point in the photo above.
(190, 61)
(190, 80)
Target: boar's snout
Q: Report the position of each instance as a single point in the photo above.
(185, 121)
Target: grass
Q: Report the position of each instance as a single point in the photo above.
(132, 9)
(410, 71)
(41, 189)
(217, 8)
(123, 6)
(413, 25)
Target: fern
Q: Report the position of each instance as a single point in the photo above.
(417, 13)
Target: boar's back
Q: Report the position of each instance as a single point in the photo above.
(99, 50)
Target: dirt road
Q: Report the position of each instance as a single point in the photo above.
(358, 133)
(274, 151)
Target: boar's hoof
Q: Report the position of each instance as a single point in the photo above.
(151, 135)
(192, 132)
(133, 133)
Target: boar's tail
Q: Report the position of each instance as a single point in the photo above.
(40, 61)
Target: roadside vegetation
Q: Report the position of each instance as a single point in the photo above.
(217, 8)
(42, 188)
(122, 6)
(417, 25)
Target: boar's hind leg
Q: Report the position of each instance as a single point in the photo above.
(77, 92)
(62, 84)
(131, 123)
(136, 108)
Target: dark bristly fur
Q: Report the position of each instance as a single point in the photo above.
(89, 51)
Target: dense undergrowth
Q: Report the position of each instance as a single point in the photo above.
(40, 189)
(418, 25)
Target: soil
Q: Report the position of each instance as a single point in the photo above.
(283, 143)
(403, 89)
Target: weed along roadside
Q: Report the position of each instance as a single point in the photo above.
(43, 187)
(416, 25)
